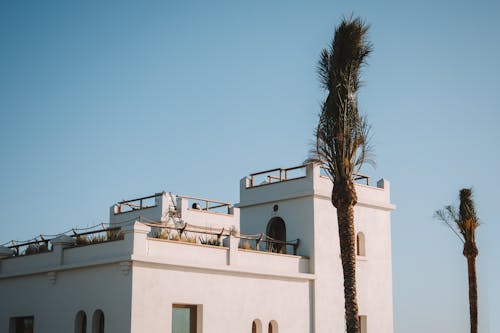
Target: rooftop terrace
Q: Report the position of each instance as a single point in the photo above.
(307, 180)
(183, 246)
(282, 175)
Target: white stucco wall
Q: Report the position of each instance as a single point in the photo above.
(305, 206)
(374, 271)
(55, 303)
(135, 281)
(230, 301)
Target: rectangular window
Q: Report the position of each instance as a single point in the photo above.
(363, 324)
(184, 318)
(21, 325)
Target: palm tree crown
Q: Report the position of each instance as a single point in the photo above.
(462, 221)
(342, 134)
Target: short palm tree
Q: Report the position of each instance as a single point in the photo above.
(464, 222)
(342, 141)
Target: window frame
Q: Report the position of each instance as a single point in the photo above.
(98, 318)
(363, 323)
(13, 323)
(193, 322)
(81, 322)
(257, 324)
(360, 244)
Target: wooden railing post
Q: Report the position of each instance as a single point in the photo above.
(257, 242)
(296, 246)
(181, 231)
(219, 237)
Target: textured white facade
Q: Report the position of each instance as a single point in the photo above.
(136, 281)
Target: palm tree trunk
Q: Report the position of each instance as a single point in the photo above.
(345, 217)
(471, 269)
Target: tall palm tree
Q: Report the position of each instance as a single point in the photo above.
(464, 223)
(342, 140)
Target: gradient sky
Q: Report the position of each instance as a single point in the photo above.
(103, 101)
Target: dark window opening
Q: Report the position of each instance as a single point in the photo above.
(81, 322)
(273, 327)
(276, 230)
(22, 324)
(98, 322)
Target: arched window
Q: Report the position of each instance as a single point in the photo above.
(98, 322)
(360, 244)
(81, 322)
(276, 230)
(256, 326)
(273, 327)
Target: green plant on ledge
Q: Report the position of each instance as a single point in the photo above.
(36, 248)
(246, 245)
(111, 235)
(188, 239)
(209, 240)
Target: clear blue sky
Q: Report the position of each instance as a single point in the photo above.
(101, 101)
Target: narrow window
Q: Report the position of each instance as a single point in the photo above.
(273, 327)
(81, 322)
(363, 324)
(98, 322)
(256, 326)
(360, 244)
(184, 318)
(21, 324)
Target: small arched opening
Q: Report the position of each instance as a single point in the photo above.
(276, 230)
(273, 327)
(98, 322)
(81, 322)
(256, 326)
(360, 244)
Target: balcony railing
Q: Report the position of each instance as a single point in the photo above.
(137, 204)
(207, 205)
(210, 236)
(356, 177)
(262, 242)
(280, 175)
(42, 244)
(277, 175)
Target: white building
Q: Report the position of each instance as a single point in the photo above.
(180, 264)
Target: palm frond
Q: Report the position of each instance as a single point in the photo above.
(449, 216)
(342, 135)
(463, 221)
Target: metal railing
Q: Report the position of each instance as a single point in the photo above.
(277, 175)
(201, 235)
(208, 205)
(190, 234)
(358, 178)
(43, 245)
(262, 242)
(137, 204)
